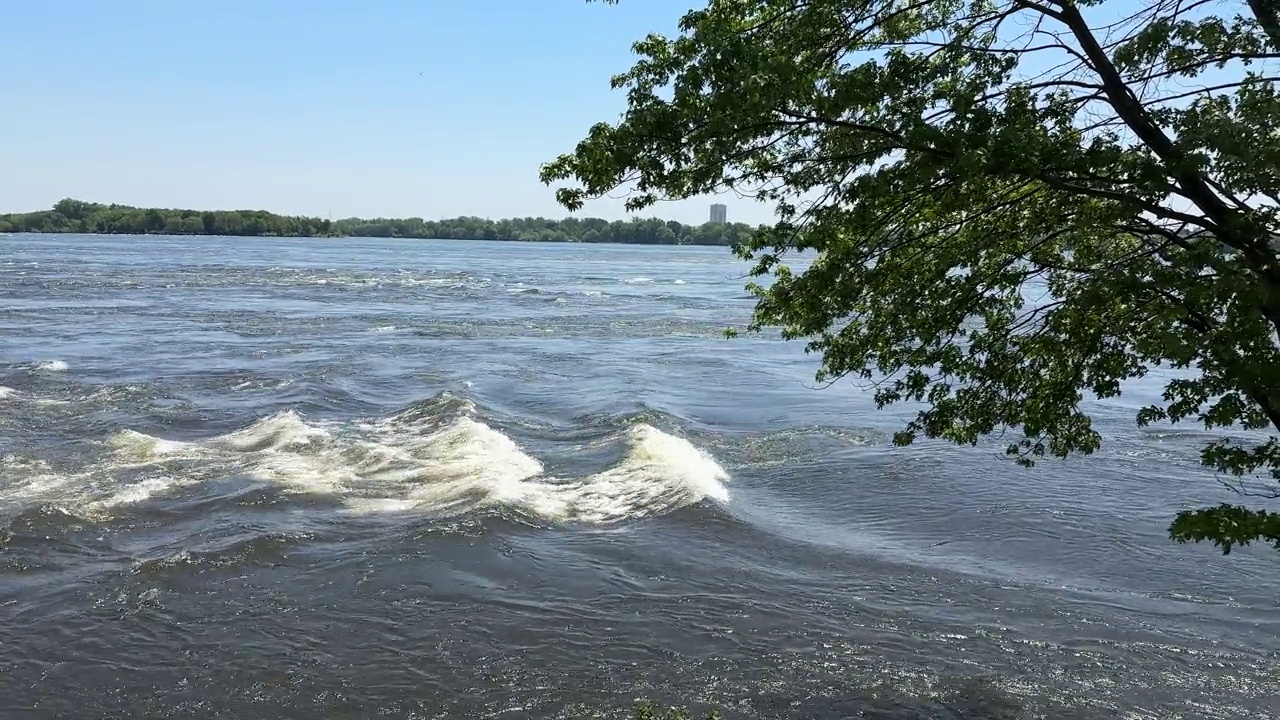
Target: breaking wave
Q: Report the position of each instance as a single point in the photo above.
(421, 462)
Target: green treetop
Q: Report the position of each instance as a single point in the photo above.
(941, 156)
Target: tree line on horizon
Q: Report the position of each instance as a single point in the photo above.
(78, 216)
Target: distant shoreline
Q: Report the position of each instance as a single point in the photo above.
(77, 217)
(514, 241)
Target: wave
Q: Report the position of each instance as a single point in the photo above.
(355, 279)
(133, 494)
(28, 482)
(280, 431)
(660, 473)
(50, 366)
(436, 459)
(242, 548)
(6, 392)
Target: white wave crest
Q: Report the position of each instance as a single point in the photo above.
(50, 366)
(660, 473)
(128, 444)
(134, 493)
(458, 468)
(282, 430)
(7, 392)
(470, 465)
(638, 281)
(430, 465)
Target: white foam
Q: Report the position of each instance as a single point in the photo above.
(137, 446)
(466, 465)
(312, 475)
(405, 464)
(660, 473)
(7, 392)
(50, 366)
(384, 329)
(678, 282)
(396, 465)
(29, 480)
(134, 493)
(282, 430)
(475, 466)
(639, 281)
(379, 506)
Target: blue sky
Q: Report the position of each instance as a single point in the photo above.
(388, 107)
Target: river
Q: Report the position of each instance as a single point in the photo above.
(356, 478)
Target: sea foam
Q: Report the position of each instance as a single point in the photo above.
(421, 462)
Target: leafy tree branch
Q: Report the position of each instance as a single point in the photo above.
(942, 157)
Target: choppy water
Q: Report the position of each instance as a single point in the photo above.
(357, 478)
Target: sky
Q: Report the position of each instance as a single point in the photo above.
(392, 108)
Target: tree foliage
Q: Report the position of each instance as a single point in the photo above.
(1016, 205)
(77, 216)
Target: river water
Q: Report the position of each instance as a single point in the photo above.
(251, 478)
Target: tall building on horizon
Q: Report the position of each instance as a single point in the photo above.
(719, 213)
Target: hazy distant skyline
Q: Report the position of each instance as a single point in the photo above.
(321, 108)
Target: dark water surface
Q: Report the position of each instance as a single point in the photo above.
(248, 478)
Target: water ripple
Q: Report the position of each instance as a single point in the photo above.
(455, 479)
